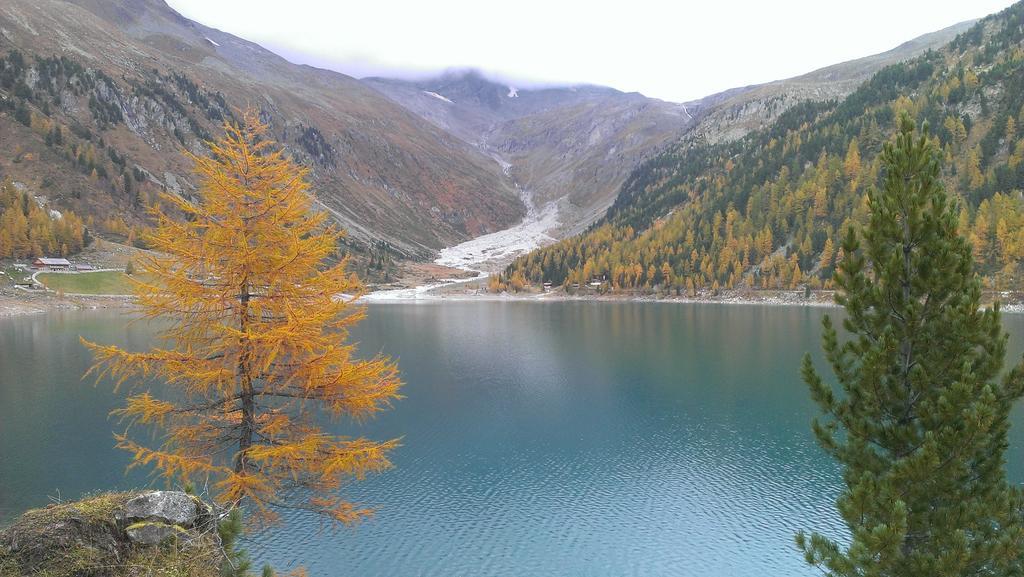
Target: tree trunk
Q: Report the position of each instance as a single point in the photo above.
(248, 418)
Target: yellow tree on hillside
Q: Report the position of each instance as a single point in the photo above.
(256, 351)
(851, 164)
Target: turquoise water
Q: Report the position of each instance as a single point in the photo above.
(551, 439)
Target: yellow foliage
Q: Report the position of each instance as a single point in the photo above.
(851, 165)
(259, 322)
(28, 230)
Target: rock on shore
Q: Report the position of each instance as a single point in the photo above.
(115, 535)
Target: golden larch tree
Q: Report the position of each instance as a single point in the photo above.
(256, 353)
(851, 164)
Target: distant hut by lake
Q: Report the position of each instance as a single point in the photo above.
(46, 263)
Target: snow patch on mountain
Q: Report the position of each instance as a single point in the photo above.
(438, 96)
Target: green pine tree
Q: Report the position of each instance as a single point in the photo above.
(236, 561)
(920, 425)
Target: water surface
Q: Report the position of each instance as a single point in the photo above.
(541, 439)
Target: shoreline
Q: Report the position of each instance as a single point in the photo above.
(12, 305)
(434, 295)
(463, 291)
(818, 299)
(45, 303)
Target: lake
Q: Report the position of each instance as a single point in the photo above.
(539, 439)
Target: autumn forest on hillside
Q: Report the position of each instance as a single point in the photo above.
(769, 211)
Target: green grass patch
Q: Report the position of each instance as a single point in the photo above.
(89, 283)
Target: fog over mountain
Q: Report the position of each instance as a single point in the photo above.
(672, 51)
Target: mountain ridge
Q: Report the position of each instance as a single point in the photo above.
(575, 145)
(767, 210)
(408, 167)
(571, 145)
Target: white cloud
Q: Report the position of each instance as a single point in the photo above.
(671, 50)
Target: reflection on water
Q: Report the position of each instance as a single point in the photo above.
(538, 439)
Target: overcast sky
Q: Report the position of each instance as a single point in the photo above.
(670, 49)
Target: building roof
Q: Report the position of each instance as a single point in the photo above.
(53, 261)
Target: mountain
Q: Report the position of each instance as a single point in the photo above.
(735, 113)
(576, 145)
(768, 210)
(129, 87)
(570, 145)
(102, 100)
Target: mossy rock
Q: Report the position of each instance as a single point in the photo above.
(85, 539)
(168, 507)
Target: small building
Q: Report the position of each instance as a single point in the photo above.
(51, 263)
(83, 267)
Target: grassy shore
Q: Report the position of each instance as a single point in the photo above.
(88, 283)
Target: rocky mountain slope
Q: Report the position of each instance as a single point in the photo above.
(735, 113)
(569, 144)
(100, 101)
